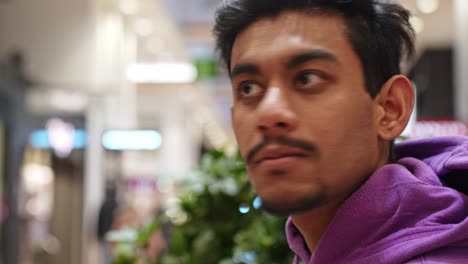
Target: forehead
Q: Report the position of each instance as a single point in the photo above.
(275, 37)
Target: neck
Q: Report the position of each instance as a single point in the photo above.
(313, 224)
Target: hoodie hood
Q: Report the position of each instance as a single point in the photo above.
(446, 156)
(403, 211)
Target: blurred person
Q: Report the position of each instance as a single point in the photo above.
(107, 212)
(106, 219)
(319, 99)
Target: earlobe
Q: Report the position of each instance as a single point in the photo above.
(395, 102)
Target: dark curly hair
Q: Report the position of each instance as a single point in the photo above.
(379, 32)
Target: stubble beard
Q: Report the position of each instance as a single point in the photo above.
(286, 207)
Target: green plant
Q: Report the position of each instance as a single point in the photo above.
(216, 220)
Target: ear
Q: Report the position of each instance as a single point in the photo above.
(395, 103)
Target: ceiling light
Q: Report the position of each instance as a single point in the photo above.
(129, 7)
(41, 139)
(161, 73)
(428, 6)
(132, 140)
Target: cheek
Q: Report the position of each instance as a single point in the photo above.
(344, 130)
(352, 141)
(244, 129)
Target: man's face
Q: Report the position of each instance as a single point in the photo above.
(302, 116)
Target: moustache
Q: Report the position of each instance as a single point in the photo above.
(285, 141)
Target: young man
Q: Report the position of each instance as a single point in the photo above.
(318, 101)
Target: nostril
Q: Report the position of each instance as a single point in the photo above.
(281, 124)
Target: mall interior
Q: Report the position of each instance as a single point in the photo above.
(115, 125)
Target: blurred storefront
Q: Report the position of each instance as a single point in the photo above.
(13, 118)
(51, 191)
(92, 66)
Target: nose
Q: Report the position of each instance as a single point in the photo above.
(275, 115)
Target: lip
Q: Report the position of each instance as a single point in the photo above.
(279, 154)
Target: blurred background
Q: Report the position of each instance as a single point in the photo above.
(108, 106)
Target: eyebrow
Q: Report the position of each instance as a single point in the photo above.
(244, 68)
(311, 55)
(296, 60)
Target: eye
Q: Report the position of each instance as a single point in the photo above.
(307, 80)
(249, 89)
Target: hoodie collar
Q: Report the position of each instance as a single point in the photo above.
(297, 243)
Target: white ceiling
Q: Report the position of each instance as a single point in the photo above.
(197, 18)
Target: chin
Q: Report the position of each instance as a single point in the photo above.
(287, 204)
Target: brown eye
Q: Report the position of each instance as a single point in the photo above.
(307, 80)
(249, 89)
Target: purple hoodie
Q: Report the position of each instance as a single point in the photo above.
(402, 214)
